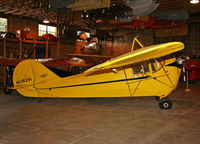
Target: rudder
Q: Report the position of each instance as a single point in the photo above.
(29, 74)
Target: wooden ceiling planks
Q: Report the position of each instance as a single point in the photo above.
(35, 10)
(177, 4)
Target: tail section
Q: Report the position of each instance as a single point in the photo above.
(29, 74)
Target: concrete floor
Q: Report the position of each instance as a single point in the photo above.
(101, 121)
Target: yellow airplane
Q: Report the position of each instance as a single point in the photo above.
(138, 73)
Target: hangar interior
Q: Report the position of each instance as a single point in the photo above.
(71, 36)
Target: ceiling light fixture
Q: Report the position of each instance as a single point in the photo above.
(45, 21)
(194, 1)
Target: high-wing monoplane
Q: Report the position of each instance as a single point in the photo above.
(138, 73)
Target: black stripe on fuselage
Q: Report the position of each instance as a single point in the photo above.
(104, 82)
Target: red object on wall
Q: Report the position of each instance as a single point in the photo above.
(48, 37)
(20, 34)
(84, 36)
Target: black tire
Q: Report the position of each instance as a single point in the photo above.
(7, 91)
(165, 103)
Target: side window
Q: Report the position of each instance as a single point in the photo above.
(156, 64)
(137, 69)
(3, 24)
(146, 67)
(43, 29)
(140, 70)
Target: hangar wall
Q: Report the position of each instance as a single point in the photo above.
(122, 38)
(191, 40)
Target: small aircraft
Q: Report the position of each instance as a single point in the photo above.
(192, 65)
(138, 73)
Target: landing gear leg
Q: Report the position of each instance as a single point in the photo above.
(9, 73)
(6, 90)
(157, 98)
(165, 103)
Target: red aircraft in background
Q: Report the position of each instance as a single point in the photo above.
(192, 65)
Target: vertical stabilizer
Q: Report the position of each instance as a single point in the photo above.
(29, 74)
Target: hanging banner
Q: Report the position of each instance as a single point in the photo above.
(89, 4)
(182, 30)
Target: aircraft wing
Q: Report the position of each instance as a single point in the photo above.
(47, 62)
(139, 55)
(9, 61)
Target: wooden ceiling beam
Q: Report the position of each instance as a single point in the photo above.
(19, 12)
(11, 11)
(4, 9)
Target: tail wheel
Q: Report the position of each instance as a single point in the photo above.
(7, 91)
(165, 103)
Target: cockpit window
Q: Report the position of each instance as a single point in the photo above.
(146, 67)
(137, 69)
(156, 64)
(149, 66)
(140, 69)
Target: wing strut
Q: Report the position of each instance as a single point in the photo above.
(136, 40)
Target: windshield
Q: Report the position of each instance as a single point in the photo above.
(147, 67)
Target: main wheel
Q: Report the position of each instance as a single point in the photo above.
(165, 103)
(7, 91)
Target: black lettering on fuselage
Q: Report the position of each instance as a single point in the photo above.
(25, 80)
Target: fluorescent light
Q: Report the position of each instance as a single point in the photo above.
(194, 1)
(45, 21)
